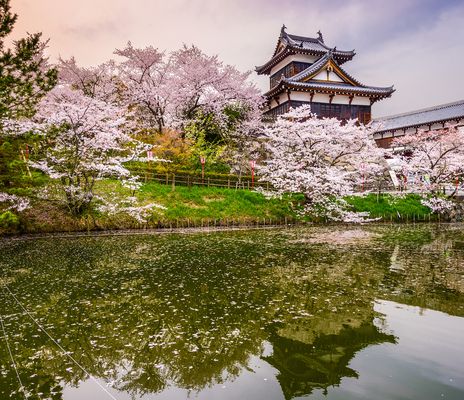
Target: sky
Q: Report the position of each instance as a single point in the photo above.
(415, 45)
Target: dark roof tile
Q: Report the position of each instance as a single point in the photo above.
(425, 116)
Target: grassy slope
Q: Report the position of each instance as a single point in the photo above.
(388, 207)
(196, 203)
(194, 206)
(198, 206)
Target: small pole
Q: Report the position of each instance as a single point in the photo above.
(25, 155)
(252, 164)
(203, 161)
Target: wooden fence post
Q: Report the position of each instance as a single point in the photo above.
(173, 182)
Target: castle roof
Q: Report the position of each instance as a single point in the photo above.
(293, 44)
(426, 116)
(304, 81)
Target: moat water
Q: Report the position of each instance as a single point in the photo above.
(371, 312)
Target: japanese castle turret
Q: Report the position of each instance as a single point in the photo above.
(305, 70)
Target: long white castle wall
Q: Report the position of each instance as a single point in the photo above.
(425, 127)
(294, 57)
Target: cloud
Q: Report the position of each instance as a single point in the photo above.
(414, 44)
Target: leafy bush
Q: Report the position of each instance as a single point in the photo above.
(9, 221)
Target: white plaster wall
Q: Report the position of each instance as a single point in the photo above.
(334, 77)
(435, 126)
(341, 99)
(411, 130)
(300, 96)
(361, 101)
(321, 98)
(294, 57)
(282, 99)
(322, 76)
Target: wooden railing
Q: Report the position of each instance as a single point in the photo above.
(187, 179)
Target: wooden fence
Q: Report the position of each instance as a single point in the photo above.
(186, 179)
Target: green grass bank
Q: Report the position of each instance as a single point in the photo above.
(197, 206)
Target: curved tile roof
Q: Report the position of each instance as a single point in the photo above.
(354, 87)
(314, 44)
(302, 44)
(425, 116)
(344, 87)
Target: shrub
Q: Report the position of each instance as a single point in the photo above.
(9, 221)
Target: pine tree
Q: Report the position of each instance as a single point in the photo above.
(25, 77)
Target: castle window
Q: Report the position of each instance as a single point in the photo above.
(295, 67)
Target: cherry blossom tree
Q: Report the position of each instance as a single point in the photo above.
(98, 82)
(433, 158)
(13, 202)
(86, 141)
(186, 86)
(320, 158)
(203, 85)
(145, 75)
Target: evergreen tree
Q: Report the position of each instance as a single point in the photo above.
(25, 77)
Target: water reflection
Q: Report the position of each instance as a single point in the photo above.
(215, 316)
(304, 367)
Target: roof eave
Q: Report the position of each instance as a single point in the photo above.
(340, 57)
(375, 96)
